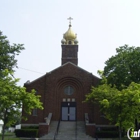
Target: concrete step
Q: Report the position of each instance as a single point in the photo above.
(67, 131)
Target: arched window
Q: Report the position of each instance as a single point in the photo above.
(69, 90)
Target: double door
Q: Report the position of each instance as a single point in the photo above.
(68, 111)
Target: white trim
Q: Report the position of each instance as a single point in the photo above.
(29, 125)
(48, 119)
(90, 124)
(100, 125)
(43, 124)
(106, 126)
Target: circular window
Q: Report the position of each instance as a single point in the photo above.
(68, 90)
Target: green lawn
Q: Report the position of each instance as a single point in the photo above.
(9, 136)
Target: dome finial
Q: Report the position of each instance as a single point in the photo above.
(69, 38)
(70, 18)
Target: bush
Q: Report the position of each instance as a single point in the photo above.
(109, 129)
(107, 134)
(31, 133)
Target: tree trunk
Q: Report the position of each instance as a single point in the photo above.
(120, 132)
(136, 124)
(3, 131)
(4, 124)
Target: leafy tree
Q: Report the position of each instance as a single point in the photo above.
(120, 107)
(17, 118)
(8, 53)
(124, 67)
(12, 97)
(119, 94)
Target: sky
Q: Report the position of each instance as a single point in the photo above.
(101, 27)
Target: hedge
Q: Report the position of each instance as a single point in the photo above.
(107, 134)
(31, 133)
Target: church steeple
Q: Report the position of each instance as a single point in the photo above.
(69, 46)
(69, 38)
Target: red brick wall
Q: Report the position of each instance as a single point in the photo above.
(70, 54)
(39, 85)
(43, 129)
(90, 130)
(51, 88)
(57, 80)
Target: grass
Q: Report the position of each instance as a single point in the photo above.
(9, 136)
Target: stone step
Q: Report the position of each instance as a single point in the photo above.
(67, 131)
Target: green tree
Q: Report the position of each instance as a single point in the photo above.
(124, 67)
(13, 97)
(120, 107)
(18, 118)
(8, 53)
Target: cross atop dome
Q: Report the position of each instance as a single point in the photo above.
(69, 37)
(70, 18)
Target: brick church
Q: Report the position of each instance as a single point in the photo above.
(63, 89)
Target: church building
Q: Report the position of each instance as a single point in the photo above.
(63, 89)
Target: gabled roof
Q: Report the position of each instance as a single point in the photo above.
(68, 63)
(28, 82)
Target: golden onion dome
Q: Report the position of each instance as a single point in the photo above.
(76, 41)
(70, 35)
(63, 41)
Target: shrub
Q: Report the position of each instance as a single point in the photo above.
(31, 133)
(107, 134)
(109, 128)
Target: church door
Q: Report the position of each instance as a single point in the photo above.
(68, 111)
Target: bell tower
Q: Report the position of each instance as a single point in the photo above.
(69, 46)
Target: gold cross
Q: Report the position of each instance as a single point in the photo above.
(70, 20)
